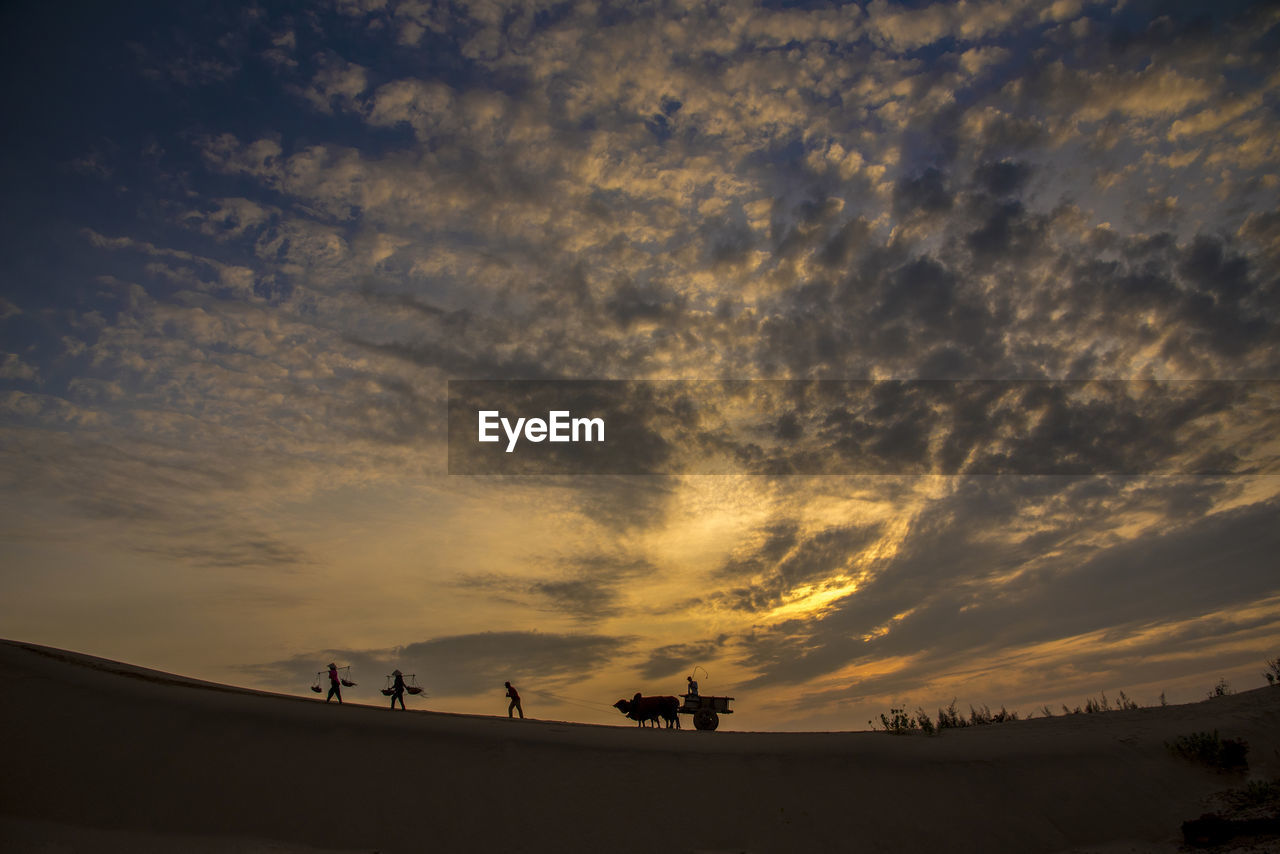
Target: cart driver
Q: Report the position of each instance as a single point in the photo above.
(693, 686)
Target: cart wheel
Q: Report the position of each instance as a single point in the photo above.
(706, 719)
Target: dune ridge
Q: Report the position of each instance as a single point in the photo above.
(106, 756)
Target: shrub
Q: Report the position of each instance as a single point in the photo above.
(949, 718)
(1273, 671)
(922, 718)
(1104, 705)
(899, 722)
(1257, 792)
(1209, 749)
(1222, 689)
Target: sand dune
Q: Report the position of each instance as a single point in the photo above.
(102, 756)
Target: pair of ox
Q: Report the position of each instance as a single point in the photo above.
(645, 710)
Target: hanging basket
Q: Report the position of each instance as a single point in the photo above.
(387, 692)
(347, 683)
(316, 688)
(414, 689)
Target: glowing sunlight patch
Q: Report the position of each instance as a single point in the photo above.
(811, 600)
(883, 629)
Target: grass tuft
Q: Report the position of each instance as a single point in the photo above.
(1222, 689)
(1226, 754)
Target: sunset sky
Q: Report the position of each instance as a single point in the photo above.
(247, 245)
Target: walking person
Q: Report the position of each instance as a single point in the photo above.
(515, 701)
(397, 689)
(335, 686)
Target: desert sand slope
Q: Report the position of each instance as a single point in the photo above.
(101, 756)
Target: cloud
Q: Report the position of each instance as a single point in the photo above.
(905, 28)
(230, 218)
(925, 192)
(1003, 177)
(675, 658)
(13, 368)
(589, 589)
(827, 556)
(245, 553)
(336, 82)
(964, 589)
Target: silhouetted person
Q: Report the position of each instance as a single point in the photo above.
(397, 689)
(335, 686)
(515, 701)
(693, 686)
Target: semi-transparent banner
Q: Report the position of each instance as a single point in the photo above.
(891, 427)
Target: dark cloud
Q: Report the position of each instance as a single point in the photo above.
(786, 561)
(621, 504)
(226, 550)
(448, 357)
(1207, 267)
(837, 251)
(926, 192)
(1006, 134)
(728, 242)
(779, 539)
(409, 302)
(587, 588)
(1263, 229)
(651, 301)
(923, 289)
(676, 658)
(942, 581)
(1007, 232)
(1002, 177)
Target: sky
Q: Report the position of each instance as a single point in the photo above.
(247, 246)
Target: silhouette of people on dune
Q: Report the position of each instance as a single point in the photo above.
(335, 686)
(515, 701)
(397, 689)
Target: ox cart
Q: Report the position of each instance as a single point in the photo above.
(706, 711)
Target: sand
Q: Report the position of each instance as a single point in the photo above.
(102, 756)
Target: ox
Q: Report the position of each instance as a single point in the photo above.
(646, 709)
